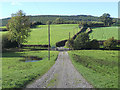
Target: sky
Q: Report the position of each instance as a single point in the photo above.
(59, 8)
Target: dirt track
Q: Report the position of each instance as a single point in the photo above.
(61, 75)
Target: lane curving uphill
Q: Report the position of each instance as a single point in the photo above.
(61, 75)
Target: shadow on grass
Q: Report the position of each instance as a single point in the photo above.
(12, 54)
(117, 48)
(35, 48)
(19, 52)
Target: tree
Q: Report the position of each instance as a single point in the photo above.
(81, 41)
(48, 22)
(19, 27)
(110, 43)
(58, 21)
(106, 19)
(83, 24)
(8, 43)
(94, 44)
(69, 43)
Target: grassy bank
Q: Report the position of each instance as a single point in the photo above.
(100, 68)
(16, 74)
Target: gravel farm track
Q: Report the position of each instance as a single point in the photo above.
(61, 75)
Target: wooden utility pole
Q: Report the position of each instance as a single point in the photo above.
(69, 40)
(49, 41)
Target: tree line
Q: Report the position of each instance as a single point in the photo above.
(104, 20)
(73, 19)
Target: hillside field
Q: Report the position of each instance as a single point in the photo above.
(103, 33)
(98, 67)
(59, 32)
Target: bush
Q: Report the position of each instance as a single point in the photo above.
(111, 43)
(91, 24)
(89, 30)
(61, 43)
(81, 41)
(70, 42)
(94, 44)
(7, 43)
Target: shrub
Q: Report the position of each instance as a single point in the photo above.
(61, 43)
(33, 24)
(111, 43)
(94, 44)
(89, 30)
(91, 24)
(7, 43)
(81, 41)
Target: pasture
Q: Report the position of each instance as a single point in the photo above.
(59, 32)
(17, 74)
(103, 33)
(98, 67)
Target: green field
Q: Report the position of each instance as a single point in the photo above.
(100, 68)
(59, 32)
(17, 74)
(2, 26)
(103, 33)
(39, 35)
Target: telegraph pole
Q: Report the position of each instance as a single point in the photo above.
(69, 40)
(49, 40)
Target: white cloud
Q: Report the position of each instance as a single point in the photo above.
(16, 3)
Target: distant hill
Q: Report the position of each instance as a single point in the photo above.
(44, 18)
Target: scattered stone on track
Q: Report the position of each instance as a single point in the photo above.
(61, 75)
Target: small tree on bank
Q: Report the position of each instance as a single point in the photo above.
(94, 44)
(69, 43)
(81, 41)
(19, 27)
(110, 43)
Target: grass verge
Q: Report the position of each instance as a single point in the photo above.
(98, 67)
